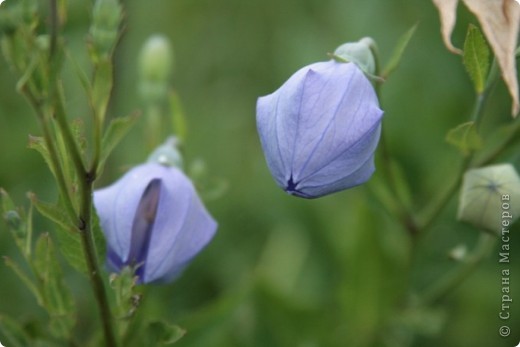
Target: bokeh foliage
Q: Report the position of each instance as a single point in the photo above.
(284, 271)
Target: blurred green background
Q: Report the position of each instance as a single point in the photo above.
(283, 271)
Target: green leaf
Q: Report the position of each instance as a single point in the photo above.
(28, 282)
(37, 143)
(57, 298)
(476, 57)
(12, 333)
(68, 238)
(53, 212)
(102, 88)
(465, 137)
(117, 129)
(162, 333)
(397, 54)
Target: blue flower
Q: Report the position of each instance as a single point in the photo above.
(320, 129)
(154, 221)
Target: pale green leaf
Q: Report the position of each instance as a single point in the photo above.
(465, 137)
(102, 88)
(162, 333)
(476, 57)
(115, 132)
(397, 54)
(37, 143)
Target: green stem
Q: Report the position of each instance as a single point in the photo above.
(510, 140)
(89, 249)
(53, 153)
(86, 179)
(434, 210)
(452, 280)
(405, 216)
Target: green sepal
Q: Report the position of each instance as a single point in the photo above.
(57, 298)
(123, 284)
(115, 132)
(397, 54)
(369, 75)
(12, 334)
(476, 57)
(465, 137)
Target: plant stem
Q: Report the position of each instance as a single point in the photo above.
(511, 138)
(86, 178)
(434, 210)
(89, 248)
(53, 153)
(440, 289)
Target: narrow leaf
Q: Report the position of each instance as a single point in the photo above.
(161, 333)
(397, 54)
(53, 212)
(28, 282)
(57, 298)
(102, 88)
(476, 57)
(66, 233)
(465, 137)
(37, 143)
(117, 129)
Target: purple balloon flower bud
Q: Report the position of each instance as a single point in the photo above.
(320, 129)
(153, 220)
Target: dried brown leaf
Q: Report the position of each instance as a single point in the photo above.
(500, 21)
(448, 14)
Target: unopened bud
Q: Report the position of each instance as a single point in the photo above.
(155, 65)
(104, 30)
(360, 53)
(167, 154)
(490, 197)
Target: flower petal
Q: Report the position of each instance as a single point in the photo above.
(182, 228)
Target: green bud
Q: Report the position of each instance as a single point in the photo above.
(490, 197)
(155, 65)
(168, 154)
(360, 53)
(104, 31)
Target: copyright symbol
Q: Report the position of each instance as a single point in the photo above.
(504, 331)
